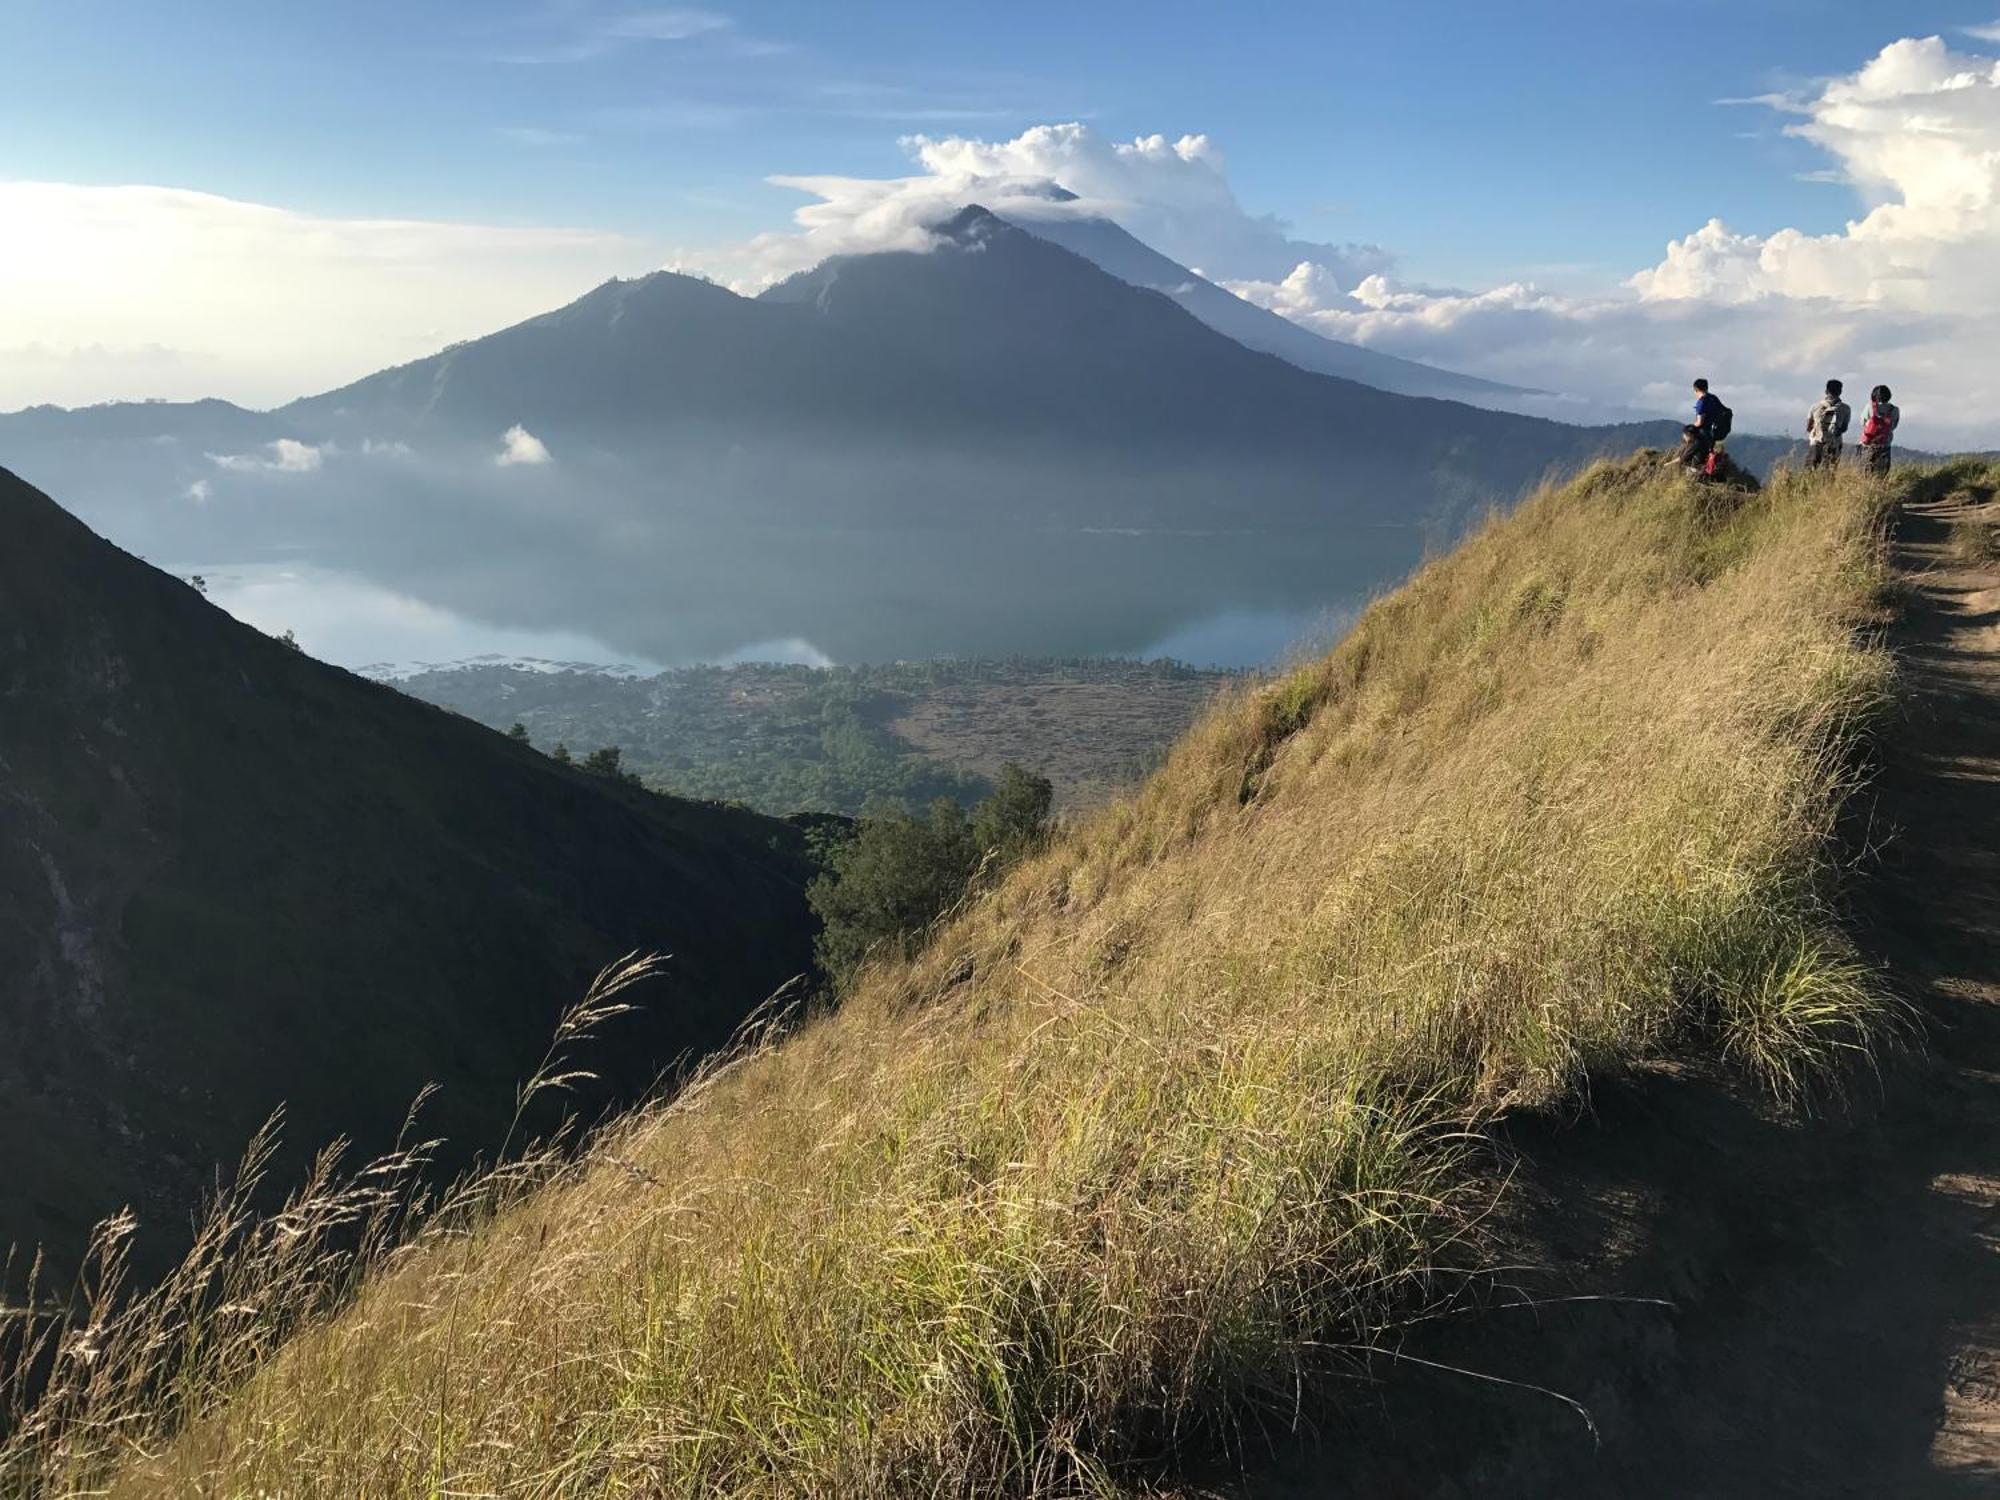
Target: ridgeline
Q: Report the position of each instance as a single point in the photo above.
(1191, 1117)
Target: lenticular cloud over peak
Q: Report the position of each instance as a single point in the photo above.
(1172, 193)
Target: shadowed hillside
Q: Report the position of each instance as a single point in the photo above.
(233, 877)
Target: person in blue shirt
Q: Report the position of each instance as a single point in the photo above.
(1698, 437)
(1705, 407)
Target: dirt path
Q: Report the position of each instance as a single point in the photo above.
(1937, 918)
(1834, 1327)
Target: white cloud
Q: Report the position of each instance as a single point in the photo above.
(675, 25)
(535, 135)
(595, 37)
(1904, 295)
(199, 492)
(285, 456)
(1987, 33)
(110, 293)
(520, 446)
(1173, 194)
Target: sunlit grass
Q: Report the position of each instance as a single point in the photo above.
(1179, 1119)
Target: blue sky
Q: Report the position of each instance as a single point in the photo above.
(1478, 141)
(261, 200)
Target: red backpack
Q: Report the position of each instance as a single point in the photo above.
(1876, 430)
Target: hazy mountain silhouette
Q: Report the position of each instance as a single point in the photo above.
(232, 877)
(890, 455)
(1114, 249)
(997, 370)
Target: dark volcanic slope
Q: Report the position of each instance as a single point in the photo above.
(996, 373)
(232, 876)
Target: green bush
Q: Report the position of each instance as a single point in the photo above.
(898, 873)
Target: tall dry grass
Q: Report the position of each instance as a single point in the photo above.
(1185, 1115)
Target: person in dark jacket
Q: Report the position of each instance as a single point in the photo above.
(1826, 429)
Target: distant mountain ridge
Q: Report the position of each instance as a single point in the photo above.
(1010, 356)
(1000, 345)
(1112, 248)
(233, 877)
(872, 457)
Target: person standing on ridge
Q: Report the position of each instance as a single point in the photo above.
(1878, 433)
(1712, 421)
(1826, 428)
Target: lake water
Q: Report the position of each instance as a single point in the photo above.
(1226, 600)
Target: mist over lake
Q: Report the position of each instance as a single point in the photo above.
(830, 596)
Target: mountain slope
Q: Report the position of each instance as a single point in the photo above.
(1130, 259)
(998, 369)
(1163, 1135)
(231, 876)
(992, 448)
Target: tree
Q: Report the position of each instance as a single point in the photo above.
(890, 882)
(518, 733)
(289, 639)
(1013, 821)
(560, 755)
(883, 888)
(608, 762)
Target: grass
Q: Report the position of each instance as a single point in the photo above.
(1974, 540)
(1162, 1134)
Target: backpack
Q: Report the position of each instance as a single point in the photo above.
(1877, 430)
(1719, 422)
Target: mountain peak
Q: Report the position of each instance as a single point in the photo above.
(972, 224)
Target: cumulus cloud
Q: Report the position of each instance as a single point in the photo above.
(112, 293)
(520, 446)
(1905, 294)
(1173, 194)
(199, 492)
(285, 456)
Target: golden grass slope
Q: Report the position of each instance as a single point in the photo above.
(1186, 1110)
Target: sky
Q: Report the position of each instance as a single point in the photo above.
(259, 201)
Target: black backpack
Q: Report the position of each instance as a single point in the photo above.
(1720, 421)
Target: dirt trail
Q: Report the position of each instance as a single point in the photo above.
(1937, 919)
(1834, 1327)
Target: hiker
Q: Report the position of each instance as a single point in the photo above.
(1711, 425)
(1826, 427)
(1879, 431)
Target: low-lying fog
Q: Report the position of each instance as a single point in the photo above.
(889, 603)
(390, 564)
